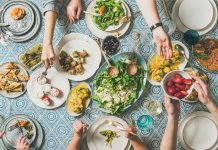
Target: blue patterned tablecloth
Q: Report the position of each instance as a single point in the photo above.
(57, 123)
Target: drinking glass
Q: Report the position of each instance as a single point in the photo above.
(144, 122)
(191, 37)
(154, 107)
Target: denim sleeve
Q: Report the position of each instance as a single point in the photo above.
(52, 5)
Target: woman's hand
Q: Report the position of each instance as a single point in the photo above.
(22, 144)
(79, 128)
(48, 56)
(163, 43)
(74, 9)
(202, 88)
(129, 130)
(172, 107)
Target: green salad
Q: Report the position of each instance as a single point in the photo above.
(110, 136)
(111, 12)
(116, 93)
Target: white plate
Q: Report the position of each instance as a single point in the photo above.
(56, 81)
(102, 34)
(14, 94)
(113, 27)
(199, 131)
(181, 66)
(79, 42)
(96, 141)
(86, 104)
(183, 28)
(196, 14)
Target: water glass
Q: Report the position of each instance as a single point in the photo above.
(191, 37)
(144, 122)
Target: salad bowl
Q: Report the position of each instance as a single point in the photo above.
(141, 76)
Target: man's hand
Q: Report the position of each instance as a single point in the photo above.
(163, 43)
(48, 56)
(74, 9)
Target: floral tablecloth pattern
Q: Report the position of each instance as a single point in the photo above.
(57, 124)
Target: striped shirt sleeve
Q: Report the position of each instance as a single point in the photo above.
(52, 5)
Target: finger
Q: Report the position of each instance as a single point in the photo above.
(1, 134)
(46, 63)
(201, 82)
(79, 10)
(165, 53)
(23, 140)
(199, 89)
(51, 62)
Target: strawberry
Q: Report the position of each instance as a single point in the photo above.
(188, 81)
(177, 80)
(187, 87)
(177, 89)
(179, 95)
(184, 93)
(171, 91)
(181, 87)
(170, 83)
(178, 76)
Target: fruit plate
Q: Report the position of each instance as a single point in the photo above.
(182, 91)
(181, 66)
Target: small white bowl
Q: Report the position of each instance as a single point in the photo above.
(170, 76)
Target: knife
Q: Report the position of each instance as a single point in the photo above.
(20, 127)
(4, 25)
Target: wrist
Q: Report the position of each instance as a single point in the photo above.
(76, 137)
(173, 117)
(156, 26)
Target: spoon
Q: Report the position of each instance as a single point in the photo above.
(91, 13)
(112, 123)
(112, 71)
(127, 19)
(132, 68)
(182, 51)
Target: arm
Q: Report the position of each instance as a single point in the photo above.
(79, 129)
(211, 106)
(134, 140)
(149, 11)
(74, 143)
(138, 145)
(205, 96)
(162, 40)
(170, 135)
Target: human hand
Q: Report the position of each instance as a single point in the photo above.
(203, 92)
(172, 107)
(129, 130)
(1, 134)
(48, 56)
(22, 144)
(163, 42)
(79, 128)
(74, 9)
